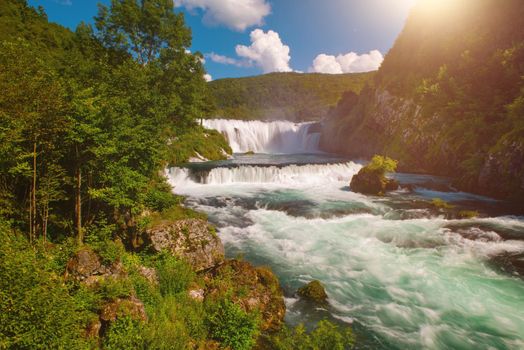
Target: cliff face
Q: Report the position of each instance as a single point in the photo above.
(448, 99)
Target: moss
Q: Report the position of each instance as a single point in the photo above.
(441, 204)
(313, 291)
(468, 214)
(174, 213)
(210, 144)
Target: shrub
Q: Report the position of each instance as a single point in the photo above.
(111, 288)
(160, 196)
(124, 333)
(382, 164)
(175, 322)
(36, 310)
(174, 275)
(110, 251)
(325, 336)
(232, 326)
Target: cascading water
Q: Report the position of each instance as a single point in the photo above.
(290, 174)
(393, 266)
(267, 137)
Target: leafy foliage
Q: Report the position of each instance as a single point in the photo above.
(288, 96)
(442, 114)
(232, 326)
(124, 333)
(325, 336)
(88, 118)
(382, 164)
(174, 275)
(36, 311)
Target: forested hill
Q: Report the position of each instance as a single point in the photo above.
(288, 96)
(448, 99)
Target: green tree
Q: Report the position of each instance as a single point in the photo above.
(33, 118)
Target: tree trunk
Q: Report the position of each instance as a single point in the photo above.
(32, 225)
(45, 219)
(78, 205)
(78, 199)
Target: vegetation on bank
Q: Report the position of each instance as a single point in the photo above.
(88, 121)
(282, 96)
(452, 105)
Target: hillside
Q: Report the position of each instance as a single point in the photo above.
(448, 99)
(288, 96)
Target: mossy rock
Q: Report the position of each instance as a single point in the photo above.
(368, 182)
(372, 180)
(313, 291)
(392, 185)
(441, 204)
(468, 214)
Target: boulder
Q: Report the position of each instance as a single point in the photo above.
(392, 185)
(368, 182)
(257, 288)
(371, 182)
(190, 239)
(86, 267)
(313, 291)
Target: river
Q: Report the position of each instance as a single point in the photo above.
(401, 273)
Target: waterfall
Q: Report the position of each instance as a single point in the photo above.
(267, 137)
(290, 174)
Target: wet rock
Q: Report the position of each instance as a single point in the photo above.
(392, 185)
(313, 291)
(372, 182)
(367, 182)
(191, 239)
(257, 289)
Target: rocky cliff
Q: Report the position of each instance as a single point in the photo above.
(448, 99)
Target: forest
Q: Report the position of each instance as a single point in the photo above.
(89, 121)
(448, 98)
(282, 96)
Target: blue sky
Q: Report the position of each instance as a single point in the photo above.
(329, 36)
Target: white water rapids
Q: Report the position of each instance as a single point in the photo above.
(285, 175)
(403, 275)
(266, 137)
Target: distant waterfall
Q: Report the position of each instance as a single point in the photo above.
(289, 174)
(267, 137)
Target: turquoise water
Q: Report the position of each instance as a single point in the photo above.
(400, 273)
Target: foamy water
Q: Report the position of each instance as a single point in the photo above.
(416, 283)
(266, 137)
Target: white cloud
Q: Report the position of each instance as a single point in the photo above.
(224, 59)
(235, 14)
(208, 77)
(266, 51)
(348, 63)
